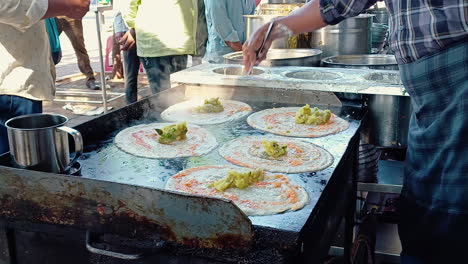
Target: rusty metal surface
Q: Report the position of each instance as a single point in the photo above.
(134, 211)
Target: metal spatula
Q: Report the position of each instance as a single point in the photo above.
(263, 45)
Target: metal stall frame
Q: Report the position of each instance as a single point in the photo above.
(98, 11)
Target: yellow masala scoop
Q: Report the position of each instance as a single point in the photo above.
(238, 180)
(313, 116)
(273, 149)
(212, 105)
(172, 133)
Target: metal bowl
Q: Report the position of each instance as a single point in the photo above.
(384, 78)
(236, 70)
(282, 57)
(374, 61)
(313, 75)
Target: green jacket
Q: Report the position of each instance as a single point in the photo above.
(163, 28)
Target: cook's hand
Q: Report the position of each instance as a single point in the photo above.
(252, 45)
(235, 46)
(128, 41)
(77, 8)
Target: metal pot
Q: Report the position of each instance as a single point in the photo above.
(388, 115)
(381, 15)
(351, 36)
(374, 61)
(253, 22)
(389, 118)
(40, 142)
(282, 57)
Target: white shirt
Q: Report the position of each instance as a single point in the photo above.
(26, 67)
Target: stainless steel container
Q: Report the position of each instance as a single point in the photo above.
(253, 22)
(381, 15)
(277, 9)
(388, 115)
(40, 142)
(282, 57)
(374, 61)
(389, 118)
(351, 36)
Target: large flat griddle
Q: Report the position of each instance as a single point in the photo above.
(132, 182)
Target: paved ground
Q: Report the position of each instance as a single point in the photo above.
(69, 78)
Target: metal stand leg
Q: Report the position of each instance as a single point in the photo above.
(351, 210)
(103, 77)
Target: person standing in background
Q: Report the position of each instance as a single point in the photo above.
(73, 28)
(27, 74)
(202, 35)
(226, 27)
(131, 62)
(165, 34)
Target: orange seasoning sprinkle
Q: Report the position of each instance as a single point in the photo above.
(292, 195)
(295, 162)
(237, 162)
(296, 148)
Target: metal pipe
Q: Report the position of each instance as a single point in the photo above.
(103, 78)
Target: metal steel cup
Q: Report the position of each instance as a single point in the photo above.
(40, 142)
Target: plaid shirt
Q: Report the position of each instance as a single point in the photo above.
(418, 28)
(436, 173)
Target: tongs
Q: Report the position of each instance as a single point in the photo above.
(262, 46)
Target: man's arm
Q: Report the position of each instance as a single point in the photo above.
(222, 24)
(70, 8)
(23, 14)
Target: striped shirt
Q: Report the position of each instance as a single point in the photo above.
(418, 28)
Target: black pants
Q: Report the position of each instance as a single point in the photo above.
(131, 68)
(159, 69)
(431, 237)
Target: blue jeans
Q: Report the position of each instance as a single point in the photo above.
(131, 68)
(158, 70)
(12, 106)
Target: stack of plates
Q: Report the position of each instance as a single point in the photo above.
(379, 35)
